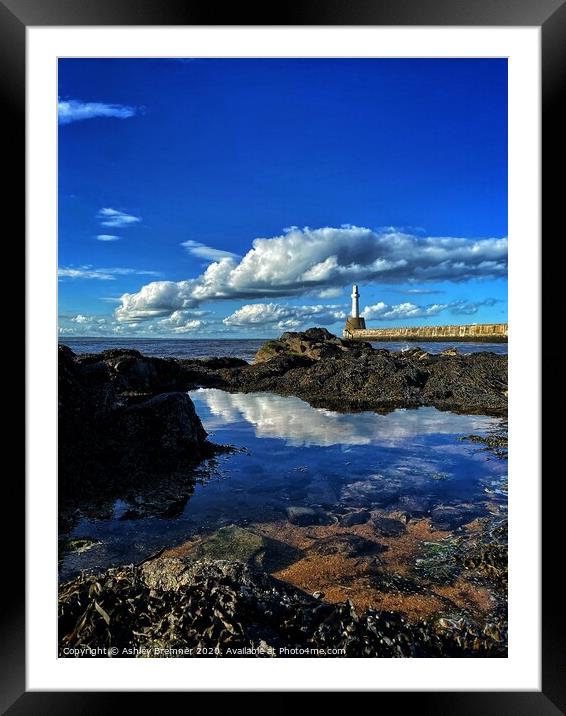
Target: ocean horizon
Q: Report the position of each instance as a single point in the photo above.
(244, 348)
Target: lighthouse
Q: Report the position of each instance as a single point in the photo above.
(355, 302)
(354, 322)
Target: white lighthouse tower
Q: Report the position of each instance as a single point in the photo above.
(354, 322)
(355, 302)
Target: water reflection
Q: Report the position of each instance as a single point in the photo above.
(299, 424)
(408, 461)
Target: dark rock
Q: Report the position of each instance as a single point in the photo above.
(129, 370)
(269, 350)
(244, 545)
(354, 518)
(117, 426)
(166, 423)
(416, 353)
(346, 546)
(388, 527)
(346, 375)
(450, 517)
(416, 505)
(223, 362)
(315, 343)
(306, 516)
(369, 493)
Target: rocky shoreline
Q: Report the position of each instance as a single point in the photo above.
(171, 606)
(127, 415)
(128, 427)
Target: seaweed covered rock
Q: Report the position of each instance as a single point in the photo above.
(481, 553)
(347, 375)
(244, 545)
(315, 343)
(175, 607)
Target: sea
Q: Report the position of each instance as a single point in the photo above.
(244, 348)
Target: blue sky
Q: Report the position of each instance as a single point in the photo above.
(243, 197)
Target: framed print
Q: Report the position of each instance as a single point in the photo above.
(283, 394)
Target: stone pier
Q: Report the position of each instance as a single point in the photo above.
(474, 332)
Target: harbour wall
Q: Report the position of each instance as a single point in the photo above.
(475, 332)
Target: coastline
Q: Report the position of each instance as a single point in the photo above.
(124, 392)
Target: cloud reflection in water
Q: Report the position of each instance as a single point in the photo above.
(299, 424)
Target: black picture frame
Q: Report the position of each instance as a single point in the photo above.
(550, 15)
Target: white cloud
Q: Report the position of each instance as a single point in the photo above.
(300, 261)
(189, 326)
(98, 274)
(273, 315)
(384, 312)
(182, 322)
(330, 292)
(423, 291)
(291, 419)
(101, 274)
(108, 237)
(74, 110)
(116, 219)
(95, 325)
(209, 253)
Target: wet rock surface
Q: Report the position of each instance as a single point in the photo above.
(347, 545)
(123, 421)
(305, 516)
(355, 518)
(226, 608)
(482, 554)
(245, 546)
(388, 527)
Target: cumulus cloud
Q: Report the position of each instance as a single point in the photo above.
(101, 274)
(189, 326)
(116, 219)
(74, 110)
(182, 321)
(305, 260)
(384, 312)
(202, 251)
(273, 315)
(108, 237)
(96, 325)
